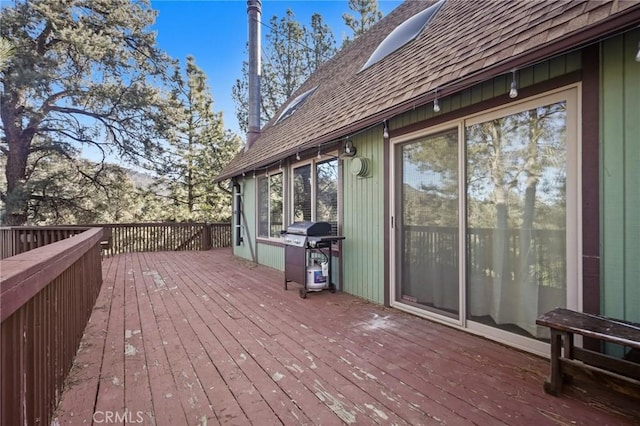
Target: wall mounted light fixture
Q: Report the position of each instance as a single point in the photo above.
(513, 93)
(349, 149)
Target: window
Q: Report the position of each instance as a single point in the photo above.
(327, 193)
(270, 209)
(403, 34)
(295, 104)
(302, 193)
(315, 192)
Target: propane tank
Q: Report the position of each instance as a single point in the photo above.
(315, 279)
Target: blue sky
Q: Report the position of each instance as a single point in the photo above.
(215, 33)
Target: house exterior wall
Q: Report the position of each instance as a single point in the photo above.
(364, 198)
(271, 255)
(498, 86)
(620, 177)
(363, 224)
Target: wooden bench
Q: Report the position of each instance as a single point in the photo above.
(568, 360)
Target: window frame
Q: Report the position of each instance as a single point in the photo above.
(572, 94)
(269, 176)
(313, 162)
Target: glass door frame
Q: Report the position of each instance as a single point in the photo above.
(393, 206)
(572, 94)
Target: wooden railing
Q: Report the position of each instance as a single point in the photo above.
(146, 237)
(122, 237)
(46, 297)
(19, 239)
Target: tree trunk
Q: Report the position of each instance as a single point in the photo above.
(17, 198)
(528, 208)
(502, 277)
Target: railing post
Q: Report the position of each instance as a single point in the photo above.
(208, 229)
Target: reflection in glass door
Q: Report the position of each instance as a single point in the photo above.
(487, 219)
(516, 200)
(427, 212)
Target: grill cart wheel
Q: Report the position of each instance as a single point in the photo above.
(303, 293)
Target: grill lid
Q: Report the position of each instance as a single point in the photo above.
(309, 228)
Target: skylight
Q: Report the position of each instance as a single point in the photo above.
(295, 104)
(403, 34)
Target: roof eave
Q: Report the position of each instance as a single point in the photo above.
(615, 24)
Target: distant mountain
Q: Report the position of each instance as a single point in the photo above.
(140, 180)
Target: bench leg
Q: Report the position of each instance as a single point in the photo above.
(554, 385)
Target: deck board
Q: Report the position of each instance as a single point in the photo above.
(199, 338)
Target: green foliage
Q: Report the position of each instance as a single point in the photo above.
(78, 191)
(6, 52)
(199, 147)
(366, 14)
(292, 52)
(85, 73)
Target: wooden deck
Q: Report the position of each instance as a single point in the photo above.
(201, 338)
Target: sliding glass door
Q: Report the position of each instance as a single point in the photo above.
(427, 223)
(512, 174)
(516, 198)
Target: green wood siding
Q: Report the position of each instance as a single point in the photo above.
(270, 255)
(498, 86)
(363, 227)
(620, 177)
(363, 198)
(248, 232)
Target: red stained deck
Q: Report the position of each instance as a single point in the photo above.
(201, 338)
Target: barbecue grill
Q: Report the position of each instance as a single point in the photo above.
(307, 244)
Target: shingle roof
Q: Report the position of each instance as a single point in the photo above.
(463, 42)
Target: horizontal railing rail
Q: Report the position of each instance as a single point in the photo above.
(19, 239)
(150, 237)
(46, 297)
(121, 237)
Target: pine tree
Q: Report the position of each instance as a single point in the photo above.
(292, 52)
(64, 192)
(367, 14)
(199, 148)
(85, 73)
(6, 52)
(320, 41)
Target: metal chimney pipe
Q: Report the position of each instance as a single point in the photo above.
(254, 10)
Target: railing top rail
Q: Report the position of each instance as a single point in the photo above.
(178, 224)
(44, 228)
(107, 225)
(25, 274)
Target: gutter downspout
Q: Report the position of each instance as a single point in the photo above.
(254, 10)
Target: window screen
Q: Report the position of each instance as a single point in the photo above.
(302, 193)
(270, 207)
(327, 193)
(263, 206)
(275, 206)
